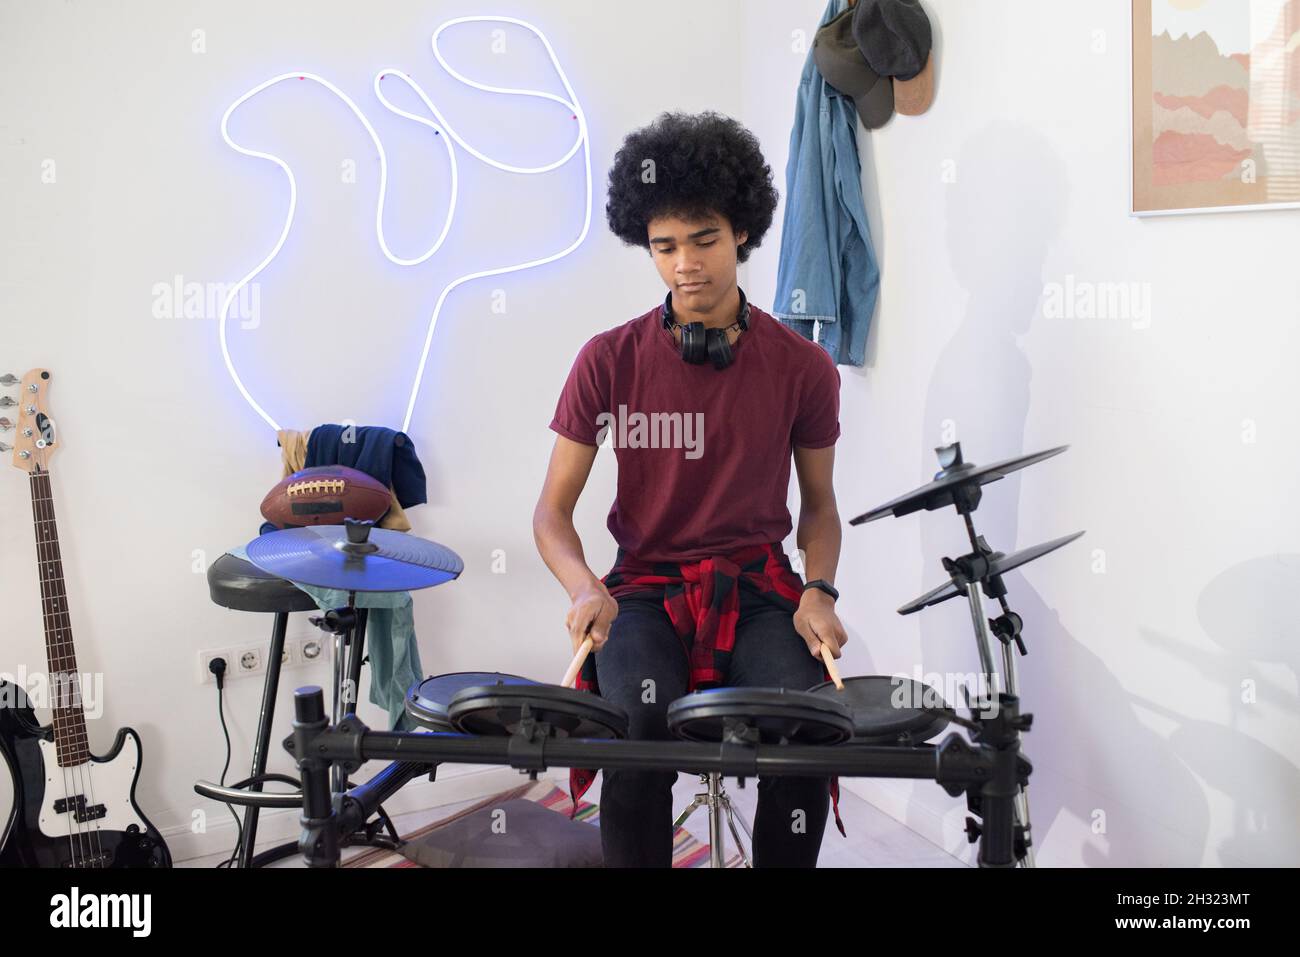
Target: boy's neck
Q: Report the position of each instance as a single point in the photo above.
(718, 318)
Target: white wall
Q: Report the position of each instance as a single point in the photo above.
(1134, 674)
(163, 457)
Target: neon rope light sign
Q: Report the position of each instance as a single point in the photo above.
(439, 125)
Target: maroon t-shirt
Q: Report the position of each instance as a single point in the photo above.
(703, 454)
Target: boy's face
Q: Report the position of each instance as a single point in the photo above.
(696, 258)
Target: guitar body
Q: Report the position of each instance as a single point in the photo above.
(80, 816)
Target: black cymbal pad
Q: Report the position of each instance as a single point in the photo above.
(885, 708)
(939, 493)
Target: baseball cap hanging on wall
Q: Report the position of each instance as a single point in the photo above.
(841, 64)
(895, 39)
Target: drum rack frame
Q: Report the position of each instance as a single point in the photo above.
(991, 770)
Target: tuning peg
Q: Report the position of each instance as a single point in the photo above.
(5, 448)
(6, 401)
(8, 379)
(5, 424)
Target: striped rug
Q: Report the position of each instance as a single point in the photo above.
(687, 850)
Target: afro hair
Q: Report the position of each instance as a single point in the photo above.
(690, 166)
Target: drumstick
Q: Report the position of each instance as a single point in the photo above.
(830, 666)
(571, 673)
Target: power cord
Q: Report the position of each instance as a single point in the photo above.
(218, 667)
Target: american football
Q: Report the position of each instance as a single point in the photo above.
(325, 495)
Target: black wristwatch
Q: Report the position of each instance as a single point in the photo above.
(823, 585)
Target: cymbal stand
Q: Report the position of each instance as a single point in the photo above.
(970, 573)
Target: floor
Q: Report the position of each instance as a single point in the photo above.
(875, 839)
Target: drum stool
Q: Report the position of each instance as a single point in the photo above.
(236, 583)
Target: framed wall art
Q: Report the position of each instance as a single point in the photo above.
(1215, 105)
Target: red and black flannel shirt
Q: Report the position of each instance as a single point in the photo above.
(703, 602)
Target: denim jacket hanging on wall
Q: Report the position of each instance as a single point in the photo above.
(827, 270)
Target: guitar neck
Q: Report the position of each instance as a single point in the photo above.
(65, 683)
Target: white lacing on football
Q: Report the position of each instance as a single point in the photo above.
(314, 486)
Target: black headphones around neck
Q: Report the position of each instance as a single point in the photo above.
(700, 343)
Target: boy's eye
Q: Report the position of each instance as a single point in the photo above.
(671, 249)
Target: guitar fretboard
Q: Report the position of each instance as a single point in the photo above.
(65, 686)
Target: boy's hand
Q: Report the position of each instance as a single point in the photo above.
(817, 623)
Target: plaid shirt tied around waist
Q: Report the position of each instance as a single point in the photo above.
(703, 603)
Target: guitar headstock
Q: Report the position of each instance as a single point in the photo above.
(33, 443)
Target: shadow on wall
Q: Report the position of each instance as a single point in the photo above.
(1247, 611)
(1094, 760)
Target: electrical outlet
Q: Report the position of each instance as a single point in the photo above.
(290, 657)
(250, 661)
(312, 650)
(206, 677)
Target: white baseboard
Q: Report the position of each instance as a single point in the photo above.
(281, 824)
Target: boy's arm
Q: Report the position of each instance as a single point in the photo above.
(557, 540)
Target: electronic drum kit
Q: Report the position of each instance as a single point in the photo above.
(846, 727)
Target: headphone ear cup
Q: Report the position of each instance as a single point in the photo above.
(719, 348)
(694, 347)
(699, 344)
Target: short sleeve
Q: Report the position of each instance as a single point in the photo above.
(817, 423)
(585, 396)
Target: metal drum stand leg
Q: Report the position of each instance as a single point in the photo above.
(999, 681)
(345, 626)
(715, 801)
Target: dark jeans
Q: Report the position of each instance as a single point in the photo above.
(636, 812)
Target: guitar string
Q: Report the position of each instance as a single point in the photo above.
(55, 654)
(78, 735)
(73, 841)
(75, 739)
(86, 768)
